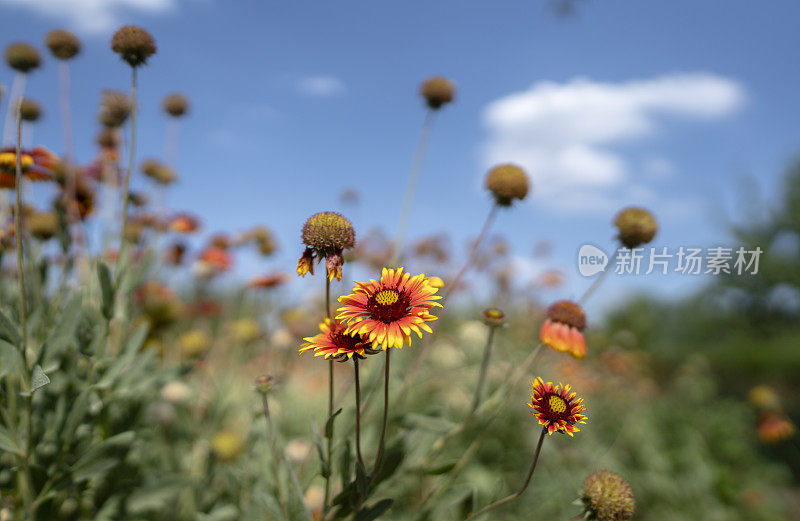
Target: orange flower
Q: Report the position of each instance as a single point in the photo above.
(184, 223)
(268, 281)
(774, 427)
(386, 312)
(562, 330)
(556, 407)
(334, 342)
(214, 260)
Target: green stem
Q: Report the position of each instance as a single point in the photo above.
(274, 454)
(26, 377)
(382, 442)
(411, 187)
(521, 491)
(127, 183)
(476, 401)
(596, 282)
(358, 411)
(329, 448)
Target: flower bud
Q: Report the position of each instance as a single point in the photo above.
(507, 182)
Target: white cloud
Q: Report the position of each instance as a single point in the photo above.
(91, 16)
(563, 134)
(321, 86)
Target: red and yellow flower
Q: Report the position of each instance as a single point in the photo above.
(774, 427)
(385, 312)
(37, 165)
(563, 329)
(334, 342)
(557, 407)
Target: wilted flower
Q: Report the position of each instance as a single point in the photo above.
(774, 427)
(227, 445)
(159, 172)
(635, 226)
(607, 497)
(562, 330)
(184, 223)
(133, 44)
(556, 407)
(269, 280)
(335, 342)
(437, 91)
(63, 44)
(176, 105)
(385, 312)
(30, 110)
(22, 57)
(326, 234)
(494, 317)
(507, 182)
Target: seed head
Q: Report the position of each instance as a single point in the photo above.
(63, 44)
(176, 105)
(30, 110)
(328, 233)
(507, 182)
(437, 91)
(265, 383)
(108, 138)
(22, 57)
(43, 225)
(158, 171)
(635, 226)
(493, 317)
(569, 313)
(607, 497)
(133, 44)
(115, 107)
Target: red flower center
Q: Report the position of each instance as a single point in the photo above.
(388, 305)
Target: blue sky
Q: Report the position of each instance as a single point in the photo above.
(667, 104)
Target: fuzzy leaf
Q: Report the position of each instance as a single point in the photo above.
(106, 289)
(371, 513)
(329, 424)
(38, 379)
(9, 331)
(9, 442)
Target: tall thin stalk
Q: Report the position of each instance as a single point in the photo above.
(272, 440)
(487, 353)
(411, 187)
(358, 411)
(329, 448)
(382, 442)
(30, 505)
(127, 182)
(521, 491)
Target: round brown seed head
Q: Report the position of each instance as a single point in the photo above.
(134, 45)
(608, 497)
(30, 110)
(158, 171)
(635, 226)
(328, 232)
(437, 91)
(108, 138)
(63, 44)
(569, 313)
(22, 57)
(115, 108)
(43, 225)
(176, 105)
(507, 182)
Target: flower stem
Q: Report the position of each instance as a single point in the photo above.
(329, 448)
(484, 367)
(596, 282)
(382, 441)
(521, 491)
(23, 348)
(358, 411)
(579, 516)
(127, 182)
(274, 454)
(411, 187)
